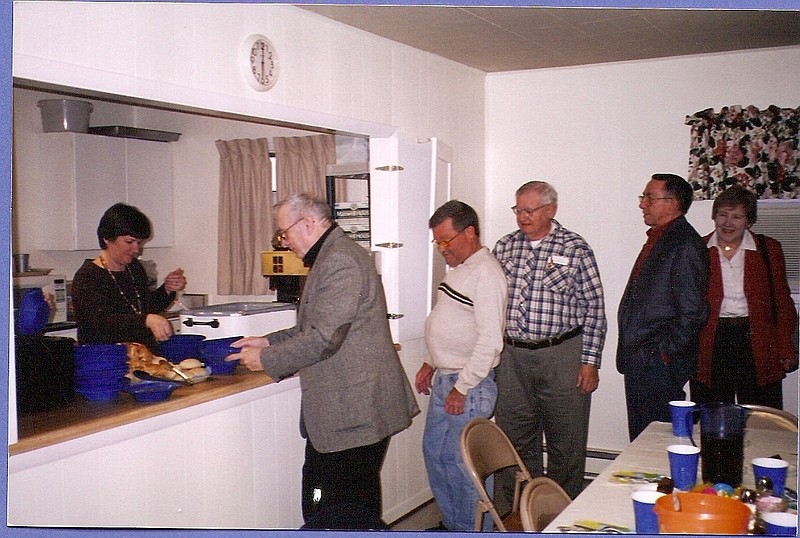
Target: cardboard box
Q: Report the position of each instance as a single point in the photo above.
(281, 262)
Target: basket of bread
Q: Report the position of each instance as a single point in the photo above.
(141, 359)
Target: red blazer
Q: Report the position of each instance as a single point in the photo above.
(771, 341)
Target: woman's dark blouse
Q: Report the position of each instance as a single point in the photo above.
(104, 316)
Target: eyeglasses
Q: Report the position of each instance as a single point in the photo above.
(525, 211)
(446, 243)
(650, 198)
(282, 233)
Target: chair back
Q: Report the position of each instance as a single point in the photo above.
(541, 501)
(769, 418)
(485, 450)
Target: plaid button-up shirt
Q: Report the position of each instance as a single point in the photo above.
(553, 287)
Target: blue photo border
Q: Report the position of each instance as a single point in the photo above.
(6, 13)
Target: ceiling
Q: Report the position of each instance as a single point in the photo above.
(496, 39)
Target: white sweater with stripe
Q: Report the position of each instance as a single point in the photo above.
(464, 331)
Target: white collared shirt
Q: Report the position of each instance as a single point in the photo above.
(734, 303)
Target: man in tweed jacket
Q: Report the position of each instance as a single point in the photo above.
(355, 393)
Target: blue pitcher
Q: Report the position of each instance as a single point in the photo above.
(722, 442)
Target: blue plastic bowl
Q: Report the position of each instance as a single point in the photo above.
(100, 355)
(100, 377)
(180, 346)
(100, 370)
(99, 394)
(148, 391)
(221, 366)
(214, 351)
(103, 372)
(89, 383)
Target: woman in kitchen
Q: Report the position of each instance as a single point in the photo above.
(110, 293)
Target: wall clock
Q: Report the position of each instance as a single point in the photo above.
(259, 62)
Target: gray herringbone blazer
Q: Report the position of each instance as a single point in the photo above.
(355, 392)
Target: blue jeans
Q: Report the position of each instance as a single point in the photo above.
(448, 477)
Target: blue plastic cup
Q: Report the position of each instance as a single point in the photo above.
(683, 460)
(646, 518)
(774, 469)
(780, 523)
(682, 417)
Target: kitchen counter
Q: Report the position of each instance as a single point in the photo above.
(59, 326)
(224, 453)
(82, 418)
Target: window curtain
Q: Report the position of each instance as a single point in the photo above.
(301, 164)
(758, 149)
(245, 215)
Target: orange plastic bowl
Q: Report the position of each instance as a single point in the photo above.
(701, 513)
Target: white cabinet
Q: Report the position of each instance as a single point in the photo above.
(149, 184)
(81, 175)
(229, 463)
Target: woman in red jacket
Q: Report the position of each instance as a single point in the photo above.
(747, 345)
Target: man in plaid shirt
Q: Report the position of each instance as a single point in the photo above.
(555, 330)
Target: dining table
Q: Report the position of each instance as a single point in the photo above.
(605, 505)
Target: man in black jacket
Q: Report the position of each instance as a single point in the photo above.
(664, 305)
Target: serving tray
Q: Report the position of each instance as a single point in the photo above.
(134, 132)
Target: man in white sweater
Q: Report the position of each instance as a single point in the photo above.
(464, 336)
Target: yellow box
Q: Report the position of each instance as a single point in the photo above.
(281, 262)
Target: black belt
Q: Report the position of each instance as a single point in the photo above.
(735, 322)
(546, 342)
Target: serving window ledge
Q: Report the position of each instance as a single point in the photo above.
(41, 431)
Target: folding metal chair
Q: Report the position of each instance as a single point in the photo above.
(541, 501)
(486, 450)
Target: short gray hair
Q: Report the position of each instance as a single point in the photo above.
(545, 190)
(306, 205)
(461, 214)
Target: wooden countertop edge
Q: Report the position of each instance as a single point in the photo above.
(182, 398)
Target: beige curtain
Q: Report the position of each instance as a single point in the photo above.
(301, 163)
(245, 215)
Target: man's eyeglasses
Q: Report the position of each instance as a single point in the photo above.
(525, 211)
(282, 233)
(650, 198)
(446, 243)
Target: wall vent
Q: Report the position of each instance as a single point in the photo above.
(780, 219)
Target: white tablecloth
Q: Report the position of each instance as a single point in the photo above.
(610, 502)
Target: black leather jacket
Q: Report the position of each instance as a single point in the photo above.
(663, 310)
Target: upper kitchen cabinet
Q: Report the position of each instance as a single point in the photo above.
(81, 175)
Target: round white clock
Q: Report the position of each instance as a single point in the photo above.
(260, 62)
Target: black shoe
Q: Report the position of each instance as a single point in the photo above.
(439, 527)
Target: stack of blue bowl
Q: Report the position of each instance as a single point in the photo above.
(180, 346)
(214, 351)
(100, 371)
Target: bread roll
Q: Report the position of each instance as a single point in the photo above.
(189, 364)
(172, 376)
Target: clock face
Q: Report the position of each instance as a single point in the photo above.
(261, 63)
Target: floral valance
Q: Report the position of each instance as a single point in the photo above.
(757, 149)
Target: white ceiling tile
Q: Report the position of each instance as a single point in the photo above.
(513, 38)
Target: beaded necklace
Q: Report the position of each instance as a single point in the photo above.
(136, 310)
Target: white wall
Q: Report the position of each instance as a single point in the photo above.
(597, 133)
